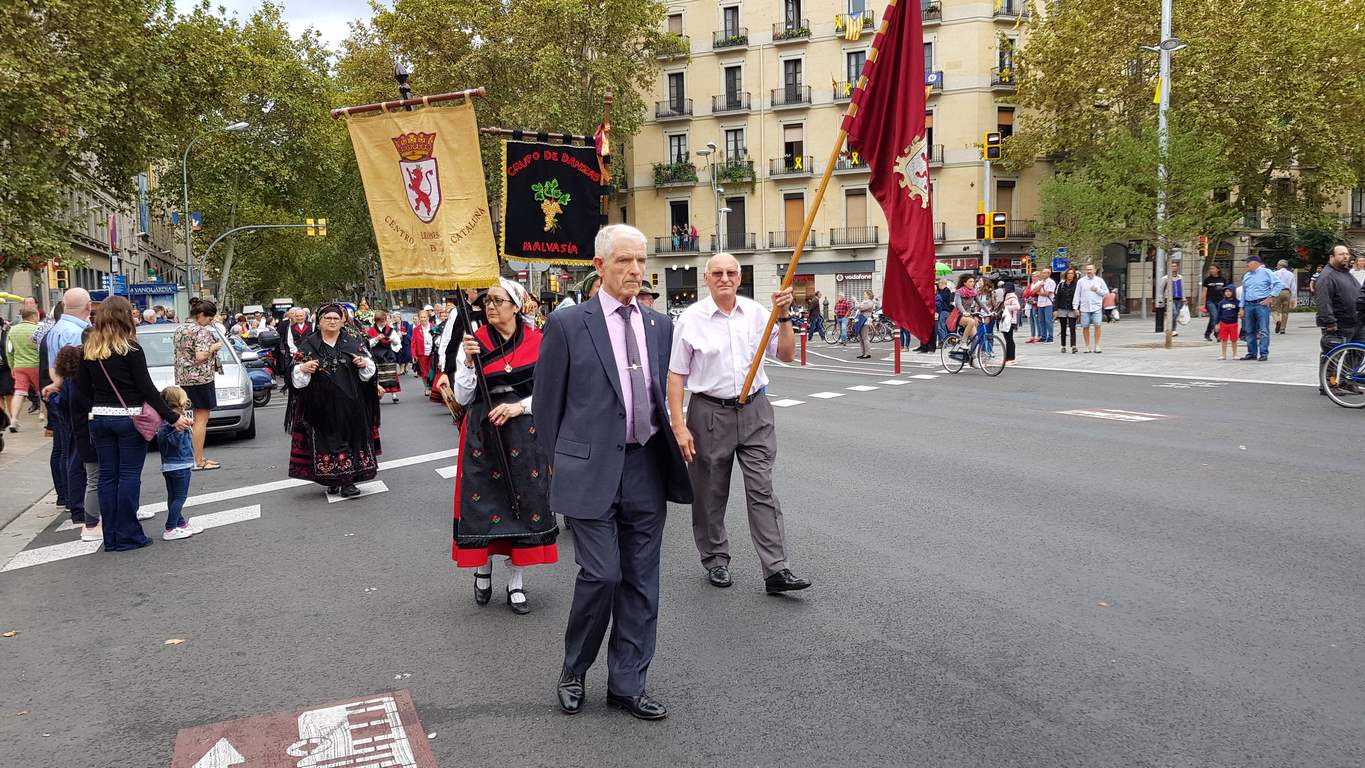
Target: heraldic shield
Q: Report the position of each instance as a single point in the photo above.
(421, 176)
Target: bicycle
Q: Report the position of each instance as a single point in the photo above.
(1342, 374)
(986, 349)
(831, 334)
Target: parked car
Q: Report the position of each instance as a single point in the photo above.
(258, 368)
(235, 414)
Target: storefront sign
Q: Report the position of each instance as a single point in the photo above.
(840, 277)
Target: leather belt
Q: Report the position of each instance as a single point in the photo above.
(732, 402)
(114, 410)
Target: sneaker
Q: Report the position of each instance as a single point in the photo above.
(92, 532)
(145, 514)
(184, 531)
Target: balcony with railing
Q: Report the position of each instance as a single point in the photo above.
(786, 240)
(1251, 218)
(684, 43)
(843, 90)
(852, 237)
(680, 173)
(1354, 222)
(734, 171)
(935, 155)
(677, 244)
(1002, 79)
(737, 37)
(791, 96)
(791, 165)
(1009, 10)
(934, 79)
(793, 31)
(868, 20)
(1020, 229)
(736, 242)
(730, 102)
(940, 231)
(673, 109)
(850, 162)
(932, 13)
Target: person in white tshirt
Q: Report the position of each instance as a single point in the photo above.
(1043, 290)
(1358, 272)
(1089, 305)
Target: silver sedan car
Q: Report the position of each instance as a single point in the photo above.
(235, 413)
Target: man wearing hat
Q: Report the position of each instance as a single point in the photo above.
(647, 294)
(1260, 286)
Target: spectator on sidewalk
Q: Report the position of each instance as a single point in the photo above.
(1228, 314)
(1111, 306)
(65, 333)
(1176, 284)
(22, 355)
(6, 380)
(1259, 289)
(815, 317)
(1313, 281)
(867, 309)
(1337, 293)
(176, 447)
(1089, 305)
(1044, 291)
(1066, 315)
(1287, 299)
(1212, 296)
(1358, 271)
(843, 308)
(943, 306)
(1009, 320)
(1031, 309)
(83, 469)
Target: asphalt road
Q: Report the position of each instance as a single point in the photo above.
(996, 583)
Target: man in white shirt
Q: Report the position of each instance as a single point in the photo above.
(1288, 298)
(1089, 305)
(1358, 271)
(1043, 289)
(713, 345)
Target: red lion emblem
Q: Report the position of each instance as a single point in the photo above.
(420, 197)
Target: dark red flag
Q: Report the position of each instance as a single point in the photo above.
(888, 130)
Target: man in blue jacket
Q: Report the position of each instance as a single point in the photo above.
(600, 411)
(1260, 286)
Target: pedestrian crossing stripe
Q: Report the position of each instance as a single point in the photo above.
(925, 376)
(862, 388)
(787, 403)
(827, 395)
(366, 489)
(894, 382)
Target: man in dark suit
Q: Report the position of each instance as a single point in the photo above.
(600, 410)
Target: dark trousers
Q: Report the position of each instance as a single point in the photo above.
(1067, 324)
(56, 421)
(122, 452)
(1009, 345)
(1211, 307)
(1161, 315)
(816, 326)
(75, 480)
(177, 491)
(618, 576)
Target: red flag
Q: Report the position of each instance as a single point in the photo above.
(888, 130)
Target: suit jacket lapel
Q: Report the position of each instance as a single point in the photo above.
(601, 341)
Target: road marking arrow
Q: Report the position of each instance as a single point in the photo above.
(221, 755)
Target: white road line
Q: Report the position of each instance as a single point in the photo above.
(894, 382)
(786, 403)
(861, 388)
(70, 549)
(419, 459)
(1028, 367)
(925, 376)
(447, 472)
(366, 489)
(826, 395)
(1112, 415)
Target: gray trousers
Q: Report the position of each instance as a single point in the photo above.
(92, 493)
(721, 435)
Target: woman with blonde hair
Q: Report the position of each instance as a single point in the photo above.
(114, 380)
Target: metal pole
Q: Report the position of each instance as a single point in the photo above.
(185, 208)
(715, 202)
(990, 218)
(1163, 82)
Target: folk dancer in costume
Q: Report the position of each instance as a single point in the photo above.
(486, 523)
(335, 424)
(441, 316)
(386, 343)
(405, 339)
(421, 355)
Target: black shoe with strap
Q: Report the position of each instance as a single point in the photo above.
(483, 594)
(522, 608)
(644, 706)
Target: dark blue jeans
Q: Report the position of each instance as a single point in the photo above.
(1258, 329)
(122, 452)
(816, 327)
(1045, 323)
(177, 490)
(56, 421)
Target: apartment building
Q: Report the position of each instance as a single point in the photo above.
(756, 108)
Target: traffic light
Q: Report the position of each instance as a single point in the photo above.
(322, 227)
(1203, 247)
(1000, 225)
(991, 147)
(316, 227)
(63, 279)
(981, 233)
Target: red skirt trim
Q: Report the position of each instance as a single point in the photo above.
(473, 558)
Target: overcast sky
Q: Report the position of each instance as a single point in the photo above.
(330, 17)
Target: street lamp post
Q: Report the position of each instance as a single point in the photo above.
(237, 127)
(715, 193)
(1164, 49)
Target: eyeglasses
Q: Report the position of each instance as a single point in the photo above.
(719, 273)
(494, 301)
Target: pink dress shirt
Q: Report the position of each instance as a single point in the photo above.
(714, 350)
(616, 329)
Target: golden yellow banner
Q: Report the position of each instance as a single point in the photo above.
(424, 183)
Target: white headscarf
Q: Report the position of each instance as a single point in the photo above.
(514, 291)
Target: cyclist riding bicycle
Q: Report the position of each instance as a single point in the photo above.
(970, 307)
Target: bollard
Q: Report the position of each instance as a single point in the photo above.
(898, 351)
(803, 350)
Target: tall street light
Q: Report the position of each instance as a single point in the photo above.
(1168, 45)
(716, 192)
(237, 127)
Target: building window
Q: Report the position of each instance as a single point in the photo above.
(1358, 201)
(857, 6)
(1004, 121)
(929, 130)
(624, 220)
(675, 23)
(734, 144)
(730, 20)
(677, 148)
(791, 78)
(677, 92)
(1007, 46)
(793, 142)
(855, 208)
(791, 12)
(855, 61)
(928, 57)
(733, 84)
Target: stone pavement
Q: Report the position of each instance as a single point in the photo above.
(24, 472)
(1132, 348)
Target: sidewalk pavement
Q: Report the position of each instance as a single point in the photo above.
(24, 470)
(1131, 347)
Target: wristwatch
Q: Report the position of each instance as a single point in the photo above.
(786, 319)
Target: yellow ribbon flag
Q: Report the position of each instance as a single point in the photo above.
(424, 183)
(1156, 97)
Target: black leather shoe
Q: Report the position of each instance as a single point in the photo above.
(350, 491)
(522, 608)
(784, 581)
(482, 596)
(333, 490)
(719, 576)
(643, 706)
(570, 692)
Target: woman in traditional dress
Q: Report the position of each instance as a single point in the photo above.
(503, 481)
(421, 358)
(335, 416)
(386, 342)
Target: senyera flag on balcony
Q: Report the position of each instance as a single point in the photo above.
(428, 203)
(886, 127)
(551, 202)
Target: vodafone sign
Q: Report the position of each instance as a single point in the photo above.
(840, 277)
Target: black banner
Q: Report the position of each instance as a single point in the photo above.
(551, 202)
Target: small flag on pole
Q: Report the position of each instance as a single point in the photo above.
(1156, 97)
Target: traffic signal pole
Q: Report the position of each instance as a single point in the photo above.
(990, 217)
